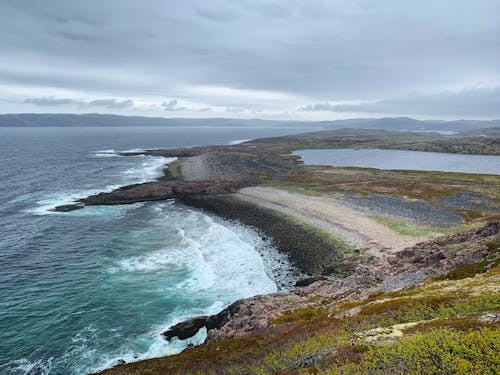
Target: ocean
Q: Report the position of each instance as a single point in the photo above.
(81, 290)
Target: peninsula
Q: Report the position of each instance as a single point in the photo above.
(402, 265)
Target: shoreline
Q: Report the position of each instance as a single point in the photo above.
(324, 219)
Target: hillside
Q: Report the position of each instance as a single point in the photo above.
(95, 119)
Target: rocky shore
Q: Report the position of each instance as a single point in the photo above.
(155, 191)
(223, 169)
(450, 284)
(354, 231)
(408, 267)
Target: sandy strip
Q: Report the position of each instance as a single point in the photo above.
(333, 216)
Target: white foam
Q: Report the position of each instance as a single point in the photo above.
(238, 141)
(134, 150)
(220, 262)
(26, 367)
(149, 168)
(49, 202)
(159, 347)
(216, 256)
(105, 153)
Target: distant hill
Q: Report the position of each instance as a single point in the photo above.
(493, 132)
(95, 119)
(406, 123)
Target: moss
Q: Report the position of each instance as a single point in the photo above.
(413, 230)
(436, 352)
(445, 323)
(464, 323)
(428, 185)
(306, 313)
(493, 245)
(405, 310)
(435, 299)
(469, 270)
(174, 170)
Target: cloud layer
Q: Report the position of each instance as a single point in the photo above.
(244, 57)
(50, 101)
(475, 102)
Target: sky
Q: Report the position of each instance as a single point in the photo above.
(290, 59)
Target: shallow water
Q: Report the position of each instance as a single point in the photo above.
(402, 160)
(79, 290)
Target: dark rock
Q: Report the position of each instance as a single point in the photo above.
(218, 320)
(190, 327)
(186, 329)
(154, 191)
(120, 361)
(308, 281)
(467, 201)
(420, 211)
(68, 207)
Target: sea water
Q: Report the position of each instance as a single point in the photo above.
(80, 290)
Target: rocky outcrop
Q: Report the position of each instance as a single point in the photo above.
(407, 267)
(190, 327)
(186, 329)
(154, 191)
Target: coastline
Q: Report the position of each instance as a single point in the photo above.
(328, 231)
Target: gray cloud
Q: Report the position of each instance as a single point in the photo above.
(110, 103)
(313, 51)
(48, 101)
(234, 110)
(480, 102)
(172, 105)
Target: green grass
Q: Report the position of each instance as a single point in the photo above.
(439, 351)
(447, 339)
(413, 230)
(174, 169)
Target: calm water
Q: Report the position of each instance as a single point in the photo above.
(396, 159)
(80, 290)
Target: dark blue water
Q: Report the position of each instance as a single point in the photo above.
(80, 290)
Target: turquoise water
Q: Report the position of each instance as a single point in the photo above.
(399, 159)
(80, 290)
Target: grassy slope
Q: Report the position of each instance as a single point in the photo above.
(442, 326)
(446, 324)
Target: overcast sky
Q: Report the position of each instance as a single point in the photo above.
(290, 59)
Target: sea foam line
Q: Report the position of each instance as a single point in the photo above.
(151, 168)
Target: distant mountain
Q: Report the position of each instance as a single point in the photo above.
(95, 119)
